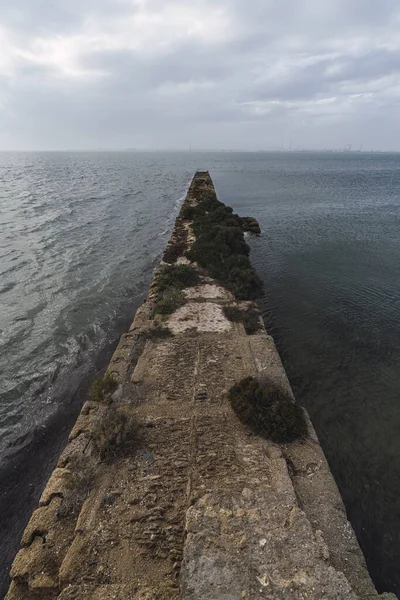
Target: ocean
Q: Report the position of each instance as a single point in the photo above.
(80, 236)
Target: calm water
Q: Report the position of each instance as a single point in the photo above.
(80, 235)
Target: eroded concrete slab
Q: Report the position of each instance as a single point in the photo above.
(201, 316)
(208, 291)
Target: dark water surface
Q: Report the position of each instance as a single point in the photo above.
(329, 257)
(80, 235)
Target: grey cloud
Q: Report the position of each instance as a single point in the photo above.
(186, 63)
(51, 17)
(378, 63)
(325, 77)
(267, 74)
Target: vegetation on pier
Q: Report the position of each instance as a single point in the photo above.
(220, 247)
(176, 277)
(102, 389)
(83, 476)
(268, 410)
(248, 315)
(113, 432)
(169, 283)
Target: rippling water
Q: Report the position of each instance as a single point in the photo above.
(329, 257)
(80, 234)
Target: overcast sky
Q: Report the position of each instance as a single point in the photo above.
(154, 74)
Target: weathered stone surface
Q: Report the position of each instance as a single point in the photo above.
(60, 482)
(41, 522)
(37, 566)
(203, 317)
(208, 291)
(76, 561)
(257, 544)
(82, 425)
(104, 592)
(321, 500)
(17, 591)
(74, 450)
(119, 363)
(89, 513)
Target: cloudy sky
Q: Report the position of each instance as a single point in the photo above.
(154, 74)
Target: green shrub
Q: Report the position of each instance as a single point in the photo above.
(213, 248)
(174, 250)
(248, 315)
(102, 389)
(168, 302)
(176, 277)
(233, 270)
(269, 410)
(169, 282)
(188, 212)
(232, 237)
(251, 225)
(244, 283)
(220, 247)
(206, 220)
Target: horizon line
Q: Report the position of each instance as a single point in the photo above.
(209, 150)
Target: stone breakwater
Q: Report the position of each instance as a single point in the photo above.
(162, 493)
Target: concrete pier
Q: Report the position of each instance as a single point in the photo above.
(163, 493)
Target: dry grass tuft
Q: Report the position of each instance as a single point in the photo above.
(83, 476)
(102, 389)
(113, 432)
